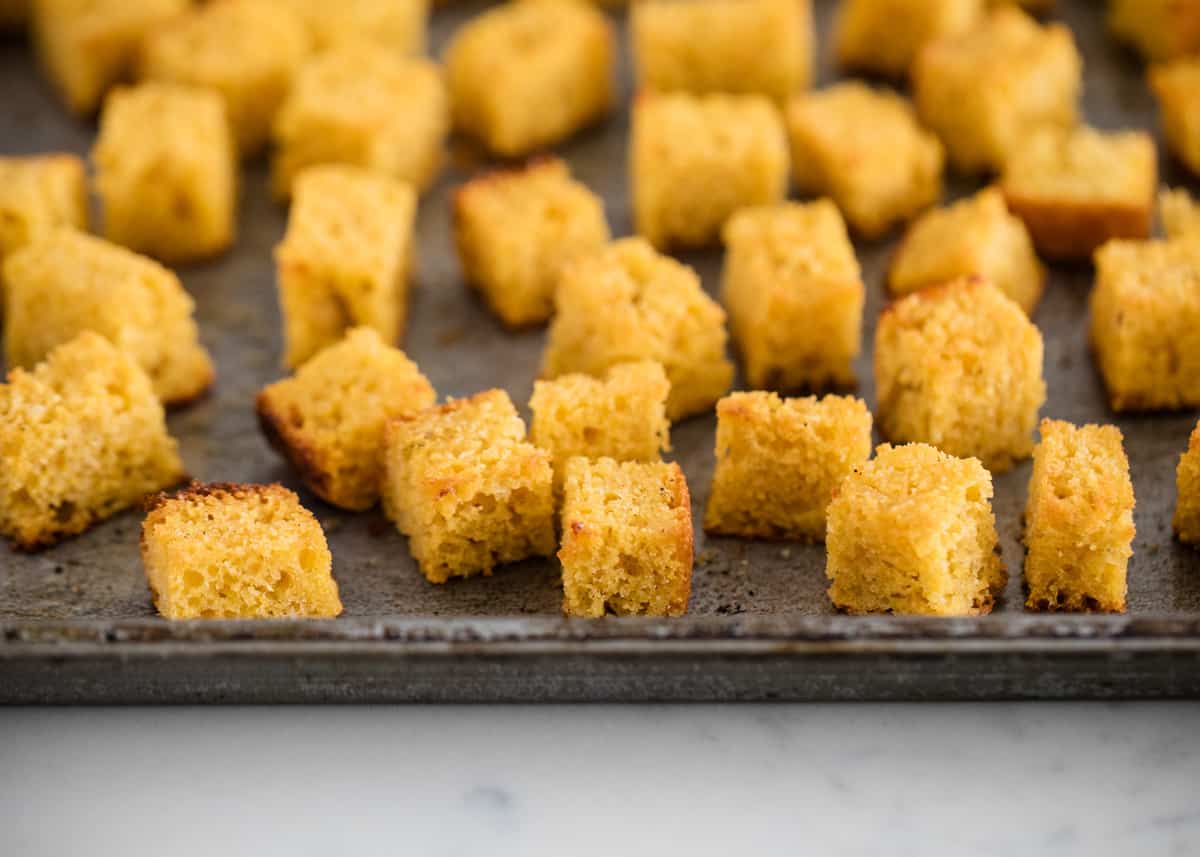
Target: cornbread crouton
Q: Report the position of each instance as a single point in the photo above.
(345, 259)
(985, 90)
(1145, 323)
(363, 105)
(461, 482)
(696, 159)
(1157, 29)
(883, 36)
(86, 46)
(328, 418)
(794, 292)
(732, 46)
(1177, 88)
(222, 551)
(515, 229)
(67, 282)
(976, 236)
(1078, 519)
(166, 171)
(1187, 483)
(524, 76)
(39, 194)
(398, 25)
(1179, 213)
(864, 148)
(779, 462)
(959, 366)
(82, 437)
(627, 539)
(247, 50)
(629, 303)
(912, 531)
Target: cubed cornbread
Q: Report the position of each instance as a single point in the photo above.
(86, 46)
(463, 484)
(524, 76)
(224, 551)
(82, 437)
(959, 366)
(328, 418)
(733, 46)
(626, 539)
(66, 282)
(696, 159)
(864, 148)
(1179, 213)
(976, 236)
(985, 90)
(630, 303)
(166, 171)
(779, 462)
(884, 36)
(1078, 519)
(345, 259)
(1157, 29)
(1176, 86)
(515, 229)
(247, 50)
(39, 194)
(1145, 323)
(1186, 521)
(912, 531)
(794, 293)
(398, 25)
(363, 105)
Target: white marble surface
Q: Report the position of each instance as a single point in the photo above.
(1030, 779)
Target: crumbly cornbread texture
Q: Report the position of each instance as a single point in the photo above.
(884, 36)
(780, 460)
(976, 236)
(864, 148)
(794, 293)
(328, 419)
(1145, 323)
(627, 538)
(985, 90)
(1179, 213)
(39, 194)
(1078, 519)
(222, 551)
(524, 76)
(515, 229)
(1176, 85)
(630, 303)
(1187, 483)
(461, 482)
(959, 366)
(67, 282)
(1157, 29)
(397, 25)
(696, 159)
(912, 531)
(82, 437)
(166, 171)
(345, 259)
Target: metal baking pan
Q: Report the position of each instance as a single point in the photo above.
(77, 625)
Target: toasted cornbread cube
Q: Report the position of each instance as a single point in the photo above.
(627, 538)
(81, 437)
(733, 46)
(1180, 214)
(515, 229)
(363, 105)
(884, 36)
(779, 462)
(398, 25)
(1187, 483)
(461, 482)
(864, 148)
(630, 303)
(166, 171)
(976, 236)
(39, 194)
(345, 259)
(912, 531)
(86, 46)
(67, 282)
(1177, 88)
(794, 293)
(222, 551)
(959, 366)
(696, 159)
(247, 50)
(1145, 323)
(1158, 29)
(1078, 519)
(985, 90)
(524, 76)
(328, 418)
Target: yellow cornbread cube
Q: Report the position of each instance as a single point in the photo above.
(398, 25)
(884, 36)
(39, 194)
(1157, 29)
(1179, 213)
(1176, 85)
(1186, 521)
